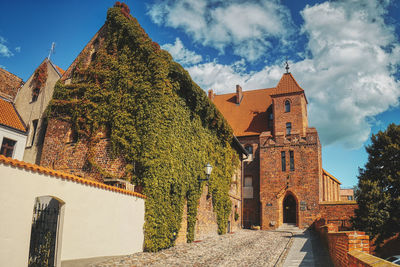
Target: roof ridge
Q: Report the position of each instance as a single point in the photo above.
(63, 175)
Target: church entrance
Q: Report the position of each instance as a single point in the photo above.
(289, 209)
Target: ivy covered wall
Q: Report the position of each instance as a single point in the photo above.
(158, 120)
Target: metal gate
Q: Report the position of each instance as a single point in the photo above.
(42, 250)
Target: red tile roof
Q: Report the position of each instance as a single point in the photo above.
(9, 84)
(250, 117)
(39, 169)
(60, 70)
(9, 116)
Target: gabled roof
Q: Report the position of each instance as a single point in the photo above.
(9, 84)
(9, 116)
(250, 117)
(288, 84)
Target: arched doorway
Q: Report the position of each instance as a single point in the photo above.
(44, 232)
(289, 209)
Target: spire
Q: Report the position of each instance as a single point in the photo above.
(287, 66)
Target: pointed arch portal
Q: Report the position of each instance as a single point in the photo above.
(289, 209)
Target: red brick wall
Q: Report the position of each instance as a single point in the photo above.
(61, 154)
(363, 259)
(251, 207)
(338, 213)
(302, 183)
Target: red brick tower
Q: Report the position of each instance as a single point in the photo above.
(290, 161)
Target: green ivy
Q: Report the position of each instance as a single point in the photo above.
(158, 119)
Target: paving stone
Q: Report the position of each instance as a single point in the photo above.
(242, 248)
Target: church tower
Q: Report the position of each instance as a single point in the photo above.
(290, 161)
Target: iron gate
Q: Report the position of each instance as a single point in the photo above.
(42, 248)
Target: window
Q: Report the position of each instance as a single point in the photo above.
(287, 106)
(349, 197)
(35, 94)
(248, 187)
(283, 158)
(33, 132)
(291, 155)
(7, 147)
(248, 181)
(249, 149)
(288, 128)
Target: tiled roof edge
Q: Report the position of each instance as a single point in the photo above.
(39, 169)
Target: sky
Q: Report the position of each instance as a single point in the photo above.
(344, 54)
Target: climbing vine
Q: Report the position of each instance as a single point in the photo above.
(158, 119)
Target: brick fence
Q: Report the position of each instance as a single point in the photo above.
(348, 248)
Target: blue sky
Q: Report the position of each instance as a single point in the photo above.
(345, 54)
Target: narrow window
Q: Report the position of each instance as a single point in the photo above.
(249, 149)
(349, 197)
(288, 128)
(7, 147)
(291, 154)
(248, 187)
(287, 106)
(283, 157)
(34, 129)
(35, 94)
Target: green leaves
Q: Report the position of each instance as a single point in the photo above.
(157, 119)
(378, 194)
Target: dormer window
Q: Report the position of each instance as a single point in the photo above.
(287, 106)
(288, 128)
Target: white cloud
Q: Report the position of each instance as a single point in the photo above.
(4, 51)
(18, 49)
(181, 54)
(348, 76)
(248, 27)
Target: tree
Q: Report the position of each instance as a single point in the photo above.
(378, 194)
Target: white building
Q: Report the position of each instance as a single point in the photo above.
(12, 131)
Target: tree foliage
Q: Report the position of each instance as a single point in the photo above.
(158, 120)
(378, 194)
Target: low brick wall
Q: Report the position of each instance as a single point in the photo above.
(338, 212)
(359, 258)
(348, 248)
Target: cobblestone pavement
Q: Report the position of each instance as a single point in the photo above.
(242, 248)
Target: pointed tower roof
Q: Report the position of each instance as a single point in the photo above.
(288, 84)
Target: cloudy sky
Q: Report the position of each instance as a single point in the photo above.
(345, 54)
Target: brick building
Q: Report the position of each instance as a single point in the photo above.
(284, 181)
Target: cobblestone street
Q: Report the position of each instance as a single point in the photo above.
(242, 248)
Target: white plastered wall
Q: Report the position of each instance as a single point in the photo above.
(95, 222)
(20, 139)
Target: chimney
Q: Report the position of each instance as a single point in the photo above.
(211, 94)
(239, 94)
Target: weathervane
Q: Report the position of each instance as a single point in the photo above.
(53, 45)
(287, 66)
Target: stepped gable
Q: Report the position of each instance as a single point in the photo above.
(9, 116)
(9, 84)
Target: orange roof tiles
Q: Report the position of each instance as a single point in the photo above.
(9, 116)
(39, 169)
(60, 70)
(288, 84)
(250, 117)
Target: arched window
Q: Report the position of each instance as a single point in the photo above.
(288, 128)
(287, 106)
